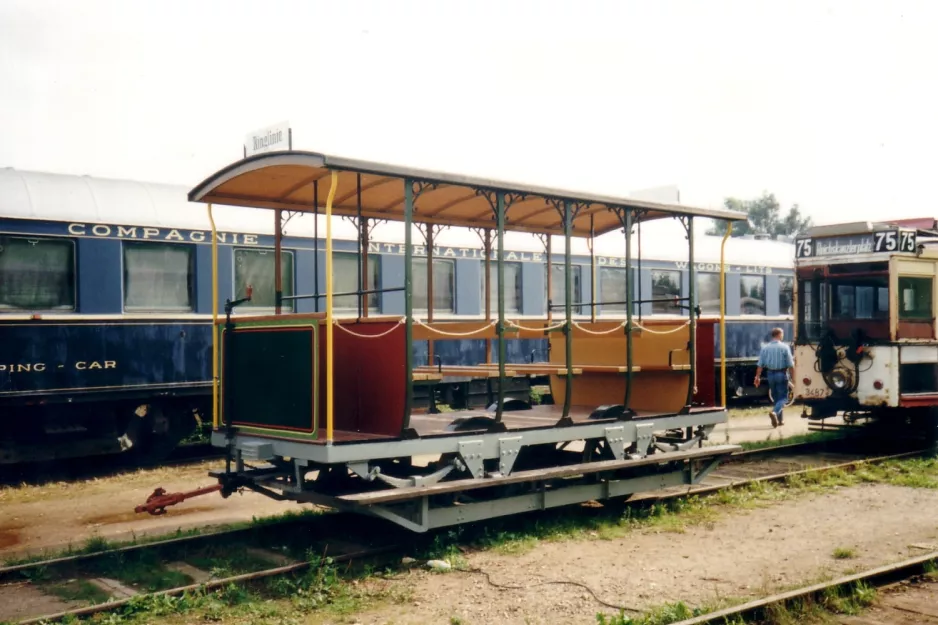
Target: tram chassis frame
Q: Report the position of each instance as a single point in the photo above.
(641, 463)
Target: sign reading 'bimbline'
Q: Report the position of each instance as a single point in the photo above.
(270, 139)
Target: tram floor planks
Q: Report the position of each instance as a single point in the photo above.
(433, 425)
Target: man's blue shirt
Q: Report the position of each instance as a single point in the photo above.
(776, 355)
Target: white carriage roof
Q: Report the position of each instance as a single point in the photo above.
(290, 180)
(88, 199)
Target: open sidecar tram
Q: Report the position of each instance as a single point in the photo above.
(316, 408)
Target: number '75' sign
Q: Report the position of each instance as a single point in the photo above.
(882, 241)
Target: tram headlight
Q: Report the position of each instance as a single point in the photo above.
(838, 380)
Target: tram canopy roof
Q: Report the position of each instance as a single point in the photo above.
(285, 180)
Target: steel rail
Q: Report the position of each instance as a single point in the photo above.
(209, 585)
(880, 576)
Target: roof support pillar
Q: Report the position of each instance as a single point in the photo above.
(408, 302)
(568, 215)
(278, 264)
(692, 310)
(629, 376)
(500, 210)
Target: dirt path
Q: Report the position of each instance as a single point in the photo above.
(746, 554)
(46, 518)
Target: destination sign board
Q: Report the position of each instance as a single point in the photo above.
(861, 243)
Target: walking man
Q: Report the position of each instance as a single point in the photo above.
(777, 360)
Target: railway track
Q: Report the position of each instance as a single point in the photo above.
(915, 571)
(240, 556)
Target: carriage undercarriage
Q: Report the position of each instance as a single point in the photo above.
(448, 479)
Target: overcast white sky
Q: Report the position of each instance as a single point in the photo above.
(833, 105)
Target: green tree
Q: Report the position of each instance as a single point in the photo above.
(764, 218)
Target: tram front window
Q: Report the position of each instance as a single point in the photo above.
(860, 299)
(844, 304)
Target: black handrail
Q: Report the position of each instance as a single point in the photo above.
(668, 300)
(345, 294)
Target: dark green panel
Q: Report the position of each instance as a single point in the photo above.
(269, 377)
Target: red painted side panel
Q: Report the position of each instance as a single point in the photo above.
(706, 370)
(368, 377)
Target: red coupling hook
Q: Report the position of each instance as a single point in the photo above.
(159, 500)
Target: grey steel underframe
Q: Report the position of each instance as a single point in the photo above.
(263, 448)
(417, 514)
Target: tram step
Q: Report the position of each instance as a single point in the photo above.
(403, 494)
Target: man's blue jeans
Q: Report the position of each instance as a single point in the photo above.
(778, 385)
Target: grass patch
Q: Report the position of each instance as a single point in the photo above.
(849, 601)
(844, 553)
(795, 439)
(77, 590)
(228, 560)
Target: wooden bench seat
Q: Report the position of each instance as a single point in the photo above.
(459, 371)
(536, 368)
(608, 368)
(666, 368)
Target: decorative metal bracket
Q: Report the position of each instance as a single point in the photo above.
(419, 187)
(559, 205)
(544, 239)
(686, 222)
(480, 232)
(285, 218)
(491, 197)
(424, 228)
(371, 222)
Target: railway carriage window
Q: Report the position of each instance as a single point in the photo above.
(752, 295)
(915, 298)
(512, 288)
(158, 276)
(708, 293)
(345, 279)
(665, 285)
(37, 274)
(558, 282)
(786, 286)
(613, 287)
(444, 285)
(256, 267)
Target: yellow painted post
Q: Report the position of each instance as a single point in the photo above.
(729, 229)
(211, 220)
(329, 391)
